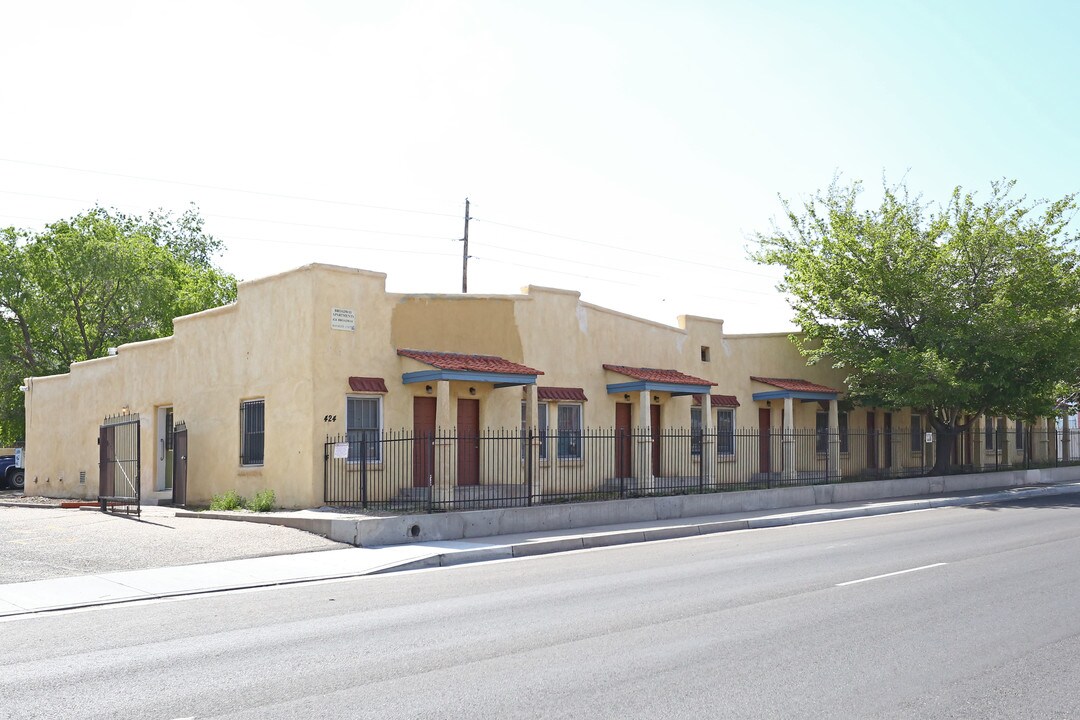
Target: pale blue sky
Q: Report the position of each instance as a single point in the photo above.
(657, 135)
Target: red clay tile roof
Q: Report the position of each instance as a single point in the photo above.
(468, 363)
(367, 384)
(561, 393)
(658, 375)
(719, 400)
(794, 385)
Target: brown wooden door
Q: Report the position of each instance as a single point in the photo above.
(468, 430)
(423, 441)
(179, 459)
(624, 456)
(654, 422)
(886, 431)
(764, 439)
(871, 441)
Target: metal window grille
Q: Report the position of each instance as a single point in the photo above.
(252, 432)
(570, 446)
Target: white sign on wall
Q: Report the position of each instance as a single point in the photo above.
(341, 451)
(342, 319)
(929, 437)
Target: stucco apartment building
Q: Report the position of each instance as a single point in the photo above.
(325, 350)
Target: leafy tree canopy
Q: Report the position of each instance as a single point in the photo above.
(955, 311)
(95, 281)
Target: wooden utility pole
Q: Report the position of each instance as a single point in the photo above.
(465, 252)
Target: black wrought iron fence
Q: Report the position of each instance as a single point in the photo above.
(444, 470)
(119, 484)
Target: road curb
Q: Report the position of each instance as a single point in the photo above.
(606, 539)
(675, 532)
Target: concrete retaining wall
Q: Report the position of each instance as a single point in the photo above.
(368, 532)
(507, 521)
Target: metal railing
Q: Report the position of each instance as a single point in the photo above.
(444, 470)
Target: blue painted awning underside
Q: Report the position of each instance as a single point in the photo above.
(795, 395)
(650, 386)
(497, 379)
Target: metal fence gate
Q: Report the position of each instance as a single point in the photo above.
(180, 451)
(118, 464)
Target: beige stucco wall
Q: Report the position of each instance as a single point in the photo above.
(277, 342)
(258, 347)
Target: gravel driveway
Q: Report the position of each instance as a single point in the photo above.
(50, 542)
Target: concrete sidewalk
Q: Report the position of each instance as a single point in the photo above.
(20, 599)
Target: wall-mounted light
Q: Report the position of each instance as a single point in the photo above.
(427, 389)
(768, 403)
(124, 410)
(626, 397)
(656, 398)
(22, 388)
(472, 391)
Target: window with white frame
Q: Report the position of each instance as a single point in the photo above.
(363, 427)
(822, 420)
(569, 429)
(252, 432)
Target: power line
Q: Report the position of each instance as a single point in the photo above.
(328, 227)
(574, 262)
(227, 189)
(627, 284)
(249, 219)
(557, 272)
(395, 234)
(37, 195)
(338, 246)
(624, 249)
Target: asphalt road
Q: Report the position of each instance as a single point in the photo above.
(948, 613)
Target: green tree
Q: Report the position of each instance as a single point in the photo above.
(95, 281)
(955, 311)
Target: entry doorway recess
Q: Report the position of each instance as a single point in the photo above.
(423, 441)
(165, 449)
(624, 455)
(764, 440)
